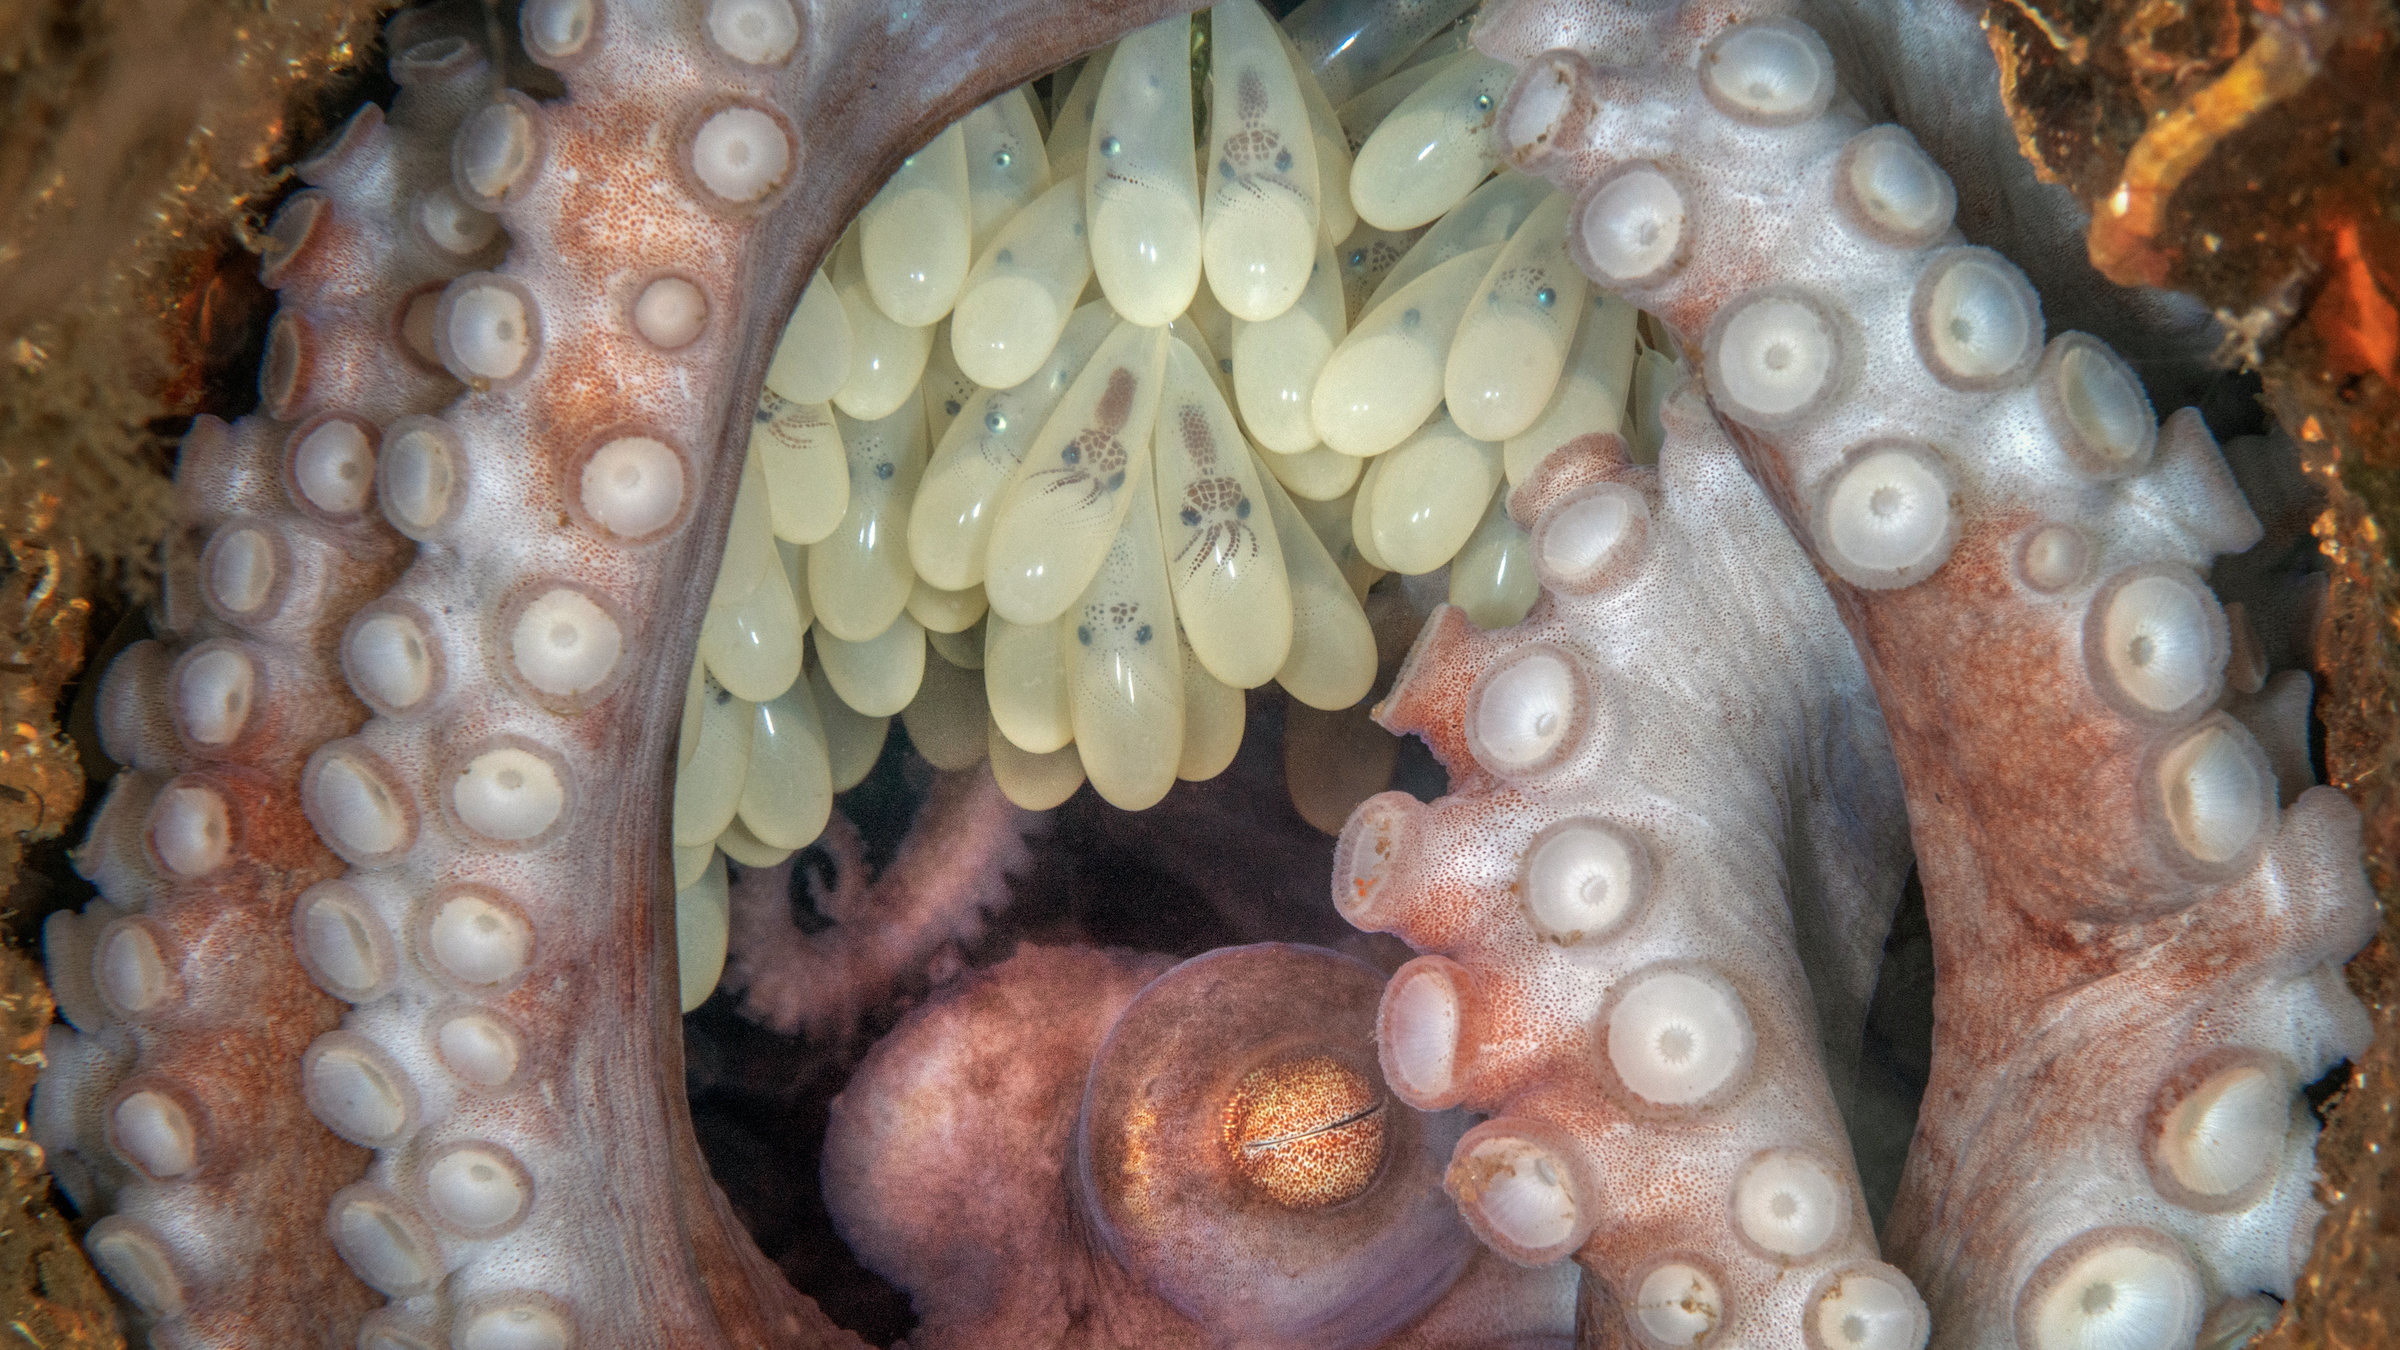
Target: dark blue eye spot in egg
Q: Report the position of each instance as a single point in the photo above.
(1225, 169)
(1071, 455)
(1225, 363)
(1358, 257)
(950, 406)
(1083, 634)
(883, 471)
(1005, 257)
(762, 415)
(1190, 516)
(1283, 162)
(1142, 634)
(1116, 480)
(1241, 509)
(1410, 318)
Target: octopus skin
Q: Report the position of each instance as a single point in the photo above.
(255, 1082)
(2138, 929)
(1665, 784)
(1088, 1147)
(445, 822)
(951, 872)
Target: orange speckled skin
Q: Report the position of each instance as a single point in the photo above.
(971, 1163)
(858, 98)
(2045, 1009)
(627, 1241)
(2086, 958)
(1724, 724)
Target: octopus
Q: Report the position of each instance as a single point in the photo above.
(371, 1037)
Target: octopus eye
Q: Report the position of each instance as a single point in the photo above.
(1142, 634)
(1083, 634)
(1283, 162)
(1241, 509)
(1071, 455)
(1116, 480)
(1191, 515)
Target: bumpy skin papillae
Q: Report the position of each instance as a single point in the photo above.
(2136, 951)
(952, 1162)
(503, 822)
(1665, 783)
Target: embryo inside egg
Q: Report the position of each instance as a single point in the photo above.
(1125, 395)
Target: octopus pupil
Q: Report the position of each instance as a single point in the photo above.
(1071, 455)
(1191, 516)
(1142, 634)
(883, 471)
(950, 406)
(1116, 480)
(1083, 634)
(1241, 509)
(1283, 162)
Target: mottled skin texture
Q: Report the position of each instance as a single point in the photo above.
(606, 204)
(245, 1011)
(951, 1165)
(672, 1265)
(2083, 957)
(886, 933)
(1725, 726)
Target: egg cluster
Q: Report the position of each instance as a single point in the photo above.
(1092, 422)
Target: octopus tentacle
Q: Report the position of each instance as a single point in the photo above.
(459, 734)
(1613, 961)
(2136, 948)
(191, 1007)
(950, 873)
